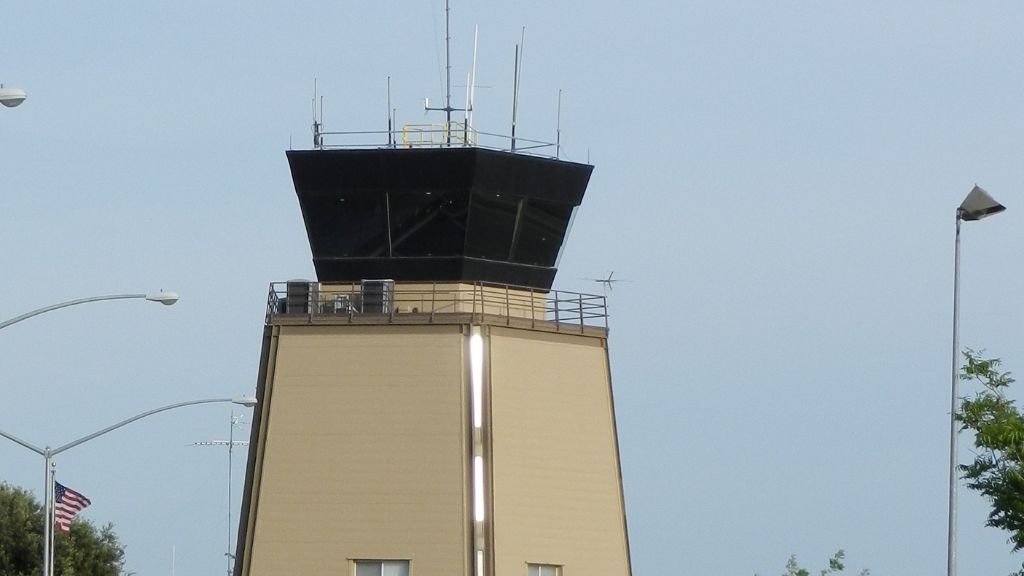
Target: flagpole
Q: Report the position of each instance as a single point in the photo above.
(50, 521)
(48, 453)
(47, 525)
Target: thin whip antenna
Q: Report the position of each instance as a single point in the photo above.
(465, 117)
(558, 126)
(316, 120)
(391, 143)
(472, 83)
(520, 49)
(515, 101)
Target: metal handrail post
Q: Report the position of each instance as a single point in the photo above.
(475, 286)
(533, 313)
(580, 300)
(309, 301)
(558, 304)
(508, 308)
(352, 301)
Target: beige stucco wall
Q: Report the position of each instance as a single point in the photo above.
(365, 451)
(557, 496)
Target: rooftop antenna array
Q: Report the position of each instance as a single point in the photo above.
(469, 137)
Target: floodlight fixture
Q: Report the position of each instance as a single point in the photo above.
(978, 204)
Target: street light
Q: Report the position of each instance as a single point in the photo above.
(977, 205)
(48, 453)
(165, 298)
(11, 97)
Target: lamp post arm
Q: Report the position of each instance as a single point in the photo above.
(45, 309)
(28, 445)
(113, 427)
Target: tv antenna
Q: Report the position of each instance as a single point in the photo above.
(608, 282)
(236, 420)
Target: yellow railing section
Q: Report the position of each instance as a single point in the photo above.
(426, 135)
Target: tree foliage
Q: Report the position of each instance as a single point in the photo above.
(997, 471)
(836, 564)
(85, 551)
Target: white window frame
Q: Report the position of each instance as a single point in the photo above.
(543, 569)
(382, 563)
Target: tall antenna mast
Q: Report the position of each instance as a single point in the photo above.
(447, 109)
(391, 142)
(448, 73)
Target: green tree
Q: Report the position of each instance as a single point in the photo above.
(835, 564)
(997, 471)
(85, 551)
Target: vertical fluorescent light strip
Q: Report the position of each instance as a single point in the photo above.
(476, 375)
(479, 563)
(478, 489)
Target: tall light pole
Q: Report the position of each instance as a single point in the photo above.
(48, 453)
(11, 97)
(977, 205)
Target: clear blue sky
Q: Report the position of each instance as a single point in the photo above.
(777, 179)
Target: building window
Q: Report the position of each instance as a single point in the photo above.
(543, 570)
(382, 568)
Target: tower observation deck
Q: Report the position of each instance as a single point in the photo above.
(429, 405)
(436, 213)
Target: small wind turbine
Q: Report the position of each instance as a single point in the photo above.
(607, 283)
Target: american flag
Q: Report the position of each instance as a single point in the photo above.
(66, 505)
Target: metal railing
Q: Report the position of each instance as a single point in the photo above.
(458, 135)
(382, 301)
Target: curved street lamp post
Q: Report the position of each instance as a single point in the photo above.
(165, 298)
(11, 97)
(48, 453)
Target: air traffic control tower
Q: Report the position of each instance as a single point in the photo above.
(429, 406)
